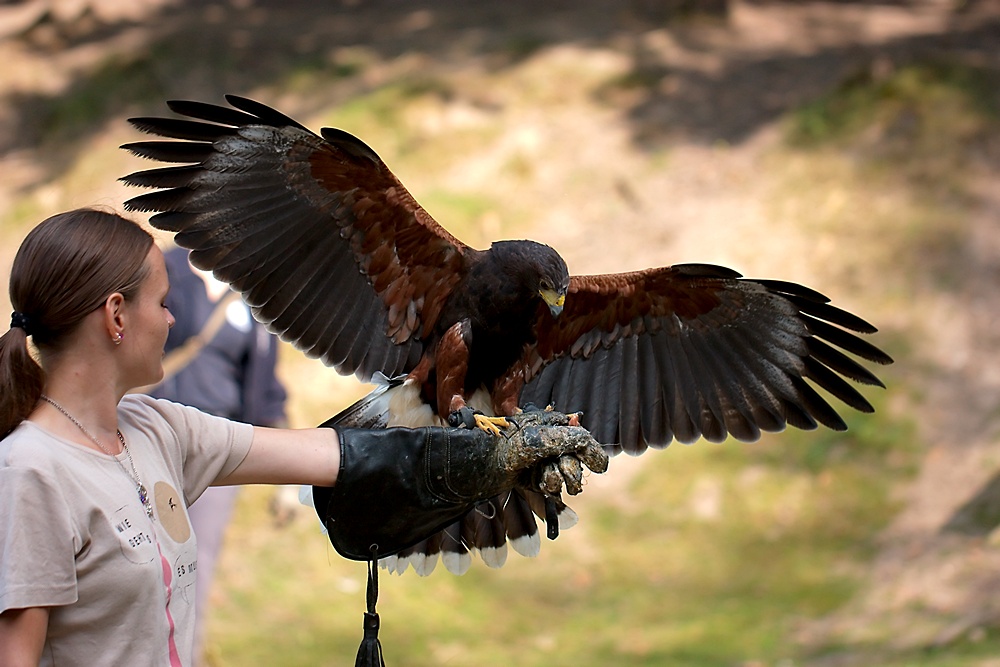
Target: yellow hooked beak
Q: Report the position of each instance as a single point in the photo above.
(554, 300)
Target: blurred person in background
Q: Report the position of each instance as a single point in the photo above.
(223, 362)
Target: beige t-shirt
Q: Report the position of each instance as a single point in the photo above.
(75, 537)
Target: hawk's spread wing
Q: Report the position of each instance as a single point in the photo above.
(325, 244)
(693, 351)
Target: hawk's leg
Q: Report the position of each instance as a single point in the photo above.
(466, 416)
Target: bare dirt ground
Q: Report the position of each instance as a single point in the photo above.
(722, 80)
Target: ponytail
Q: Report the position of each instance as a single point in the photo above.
(21, 380)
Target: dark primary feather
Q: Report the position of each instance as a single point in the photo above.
(708, 354)
(295, 222)
(333, 254)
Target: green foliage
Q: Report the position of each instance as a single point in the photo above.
(91, 101)
(892, 165)
(639, 78)
(314, 70)
(383, 110)
(917, 107)
(522, 46)
(460, 212)
(15, 221)
(119, 83)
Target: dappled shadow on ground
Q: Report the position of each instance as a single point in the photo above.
(734, 99)
(703, 72)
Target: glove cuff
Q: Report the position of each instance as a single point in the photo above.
(397, 486)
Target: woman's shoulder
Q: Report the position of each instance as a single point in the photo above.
(23, 441)
(29, 446)
(137, 404)
(143, 406)
(148, 413)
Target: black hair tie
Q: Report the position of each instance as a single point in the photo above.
(20, 321)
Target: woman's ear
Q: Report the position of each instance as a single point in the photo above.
(114, 317)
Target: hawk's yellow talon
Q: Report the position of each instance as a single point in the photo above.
(491, 424)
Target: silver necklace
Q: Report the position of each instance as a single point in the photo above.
(134, 476)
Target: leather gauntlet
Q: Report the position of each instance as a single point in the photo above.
(397, 486)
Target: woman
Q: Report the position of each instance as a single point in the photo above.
(96, 552)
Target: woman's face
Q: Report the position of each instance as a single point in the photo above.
(149, 321)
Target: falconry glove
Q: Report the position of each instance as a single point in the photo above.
(397, 486)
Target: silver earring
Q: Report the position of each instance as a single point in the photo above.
(118, 338)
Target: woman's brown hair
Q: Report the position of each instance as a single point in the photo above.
(65, 269)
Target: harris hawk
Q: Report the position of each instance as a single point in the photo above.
(335, 256)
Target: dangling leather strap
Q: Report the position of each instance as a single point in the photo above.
(370, 651)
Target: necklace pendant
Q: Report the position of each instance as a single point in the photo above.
(143, 495)
(144, 499)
